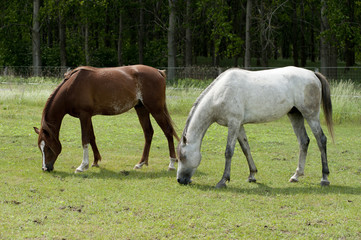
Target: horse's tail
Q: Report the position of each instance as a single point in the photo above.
(170, 121)
(70, 73)
(326, 103)
(162, 72)
(166, 113)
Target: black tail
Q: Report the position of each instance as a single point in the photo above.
(326, 103)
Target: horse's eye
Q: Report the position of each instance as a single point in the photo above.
(182, 157)
(46, 133)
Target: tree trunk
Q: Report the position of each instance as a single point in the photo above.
(327, 50)
(350, 39)
(36, 39)
(141, 33)
(107, 41)
(171, 45)
(120, 41)
(262, 38)
(86, 43)
(302, 36)
(247, 57)
(188, 53)
(62, 39)
(313, 47)
(50, 34)
(295, 33)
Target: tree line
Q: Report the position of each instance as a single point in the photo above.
(179, 32)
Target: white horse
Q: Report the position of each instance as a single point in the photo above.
(238, 97)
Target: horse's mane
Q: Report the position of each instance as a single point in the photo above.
(45, 124)
(196, 103)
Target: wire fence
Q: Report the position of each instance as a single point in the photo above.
(193, 72)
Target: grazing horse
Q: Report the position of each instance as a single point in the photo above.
(238, 97)
(88, 91)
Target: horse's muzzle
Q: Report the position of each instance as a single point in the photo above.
(48, 168)
(184, 181)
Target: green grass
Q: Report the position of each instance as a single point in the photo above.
(117, 202)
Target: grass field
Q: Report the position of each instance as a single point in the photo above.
(117, 202)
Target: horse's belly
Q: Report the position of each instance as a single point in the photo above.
(266, 113)
(114, 107)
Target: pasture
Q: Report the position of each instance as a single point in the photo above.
(117, 202)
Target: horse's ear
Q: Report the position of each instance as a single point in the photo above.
(184, 139)
(36, 130)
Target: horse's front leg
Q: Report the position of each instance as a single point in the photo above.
(231, 142)
(85, 163)
(85, 123)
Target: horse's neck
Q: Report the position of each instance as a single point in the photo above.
(198, 126)
(54, 116)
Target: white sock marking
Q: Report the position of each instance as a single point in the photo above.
(85, 163)
(139, 165)
(42, 146)
(171, 164)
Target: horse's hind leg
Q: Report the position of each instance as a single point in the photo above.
(242, 139)
(93, 144)
(321, 142)
(166, 126)
(298, 125)
(143, 115)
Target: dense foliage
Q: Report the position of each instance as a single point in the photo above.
(114, 32)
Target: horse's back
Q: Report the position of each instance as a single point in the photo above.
(261, 96)
(118, 74)
(285, 75)
(110, 91)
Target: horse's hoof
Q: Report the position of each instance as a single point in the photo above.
(138, 166)
(95, 165)
(171, 169)
(221, 185)
(293, 179)
(251, 180)
(82, 169)
(325, 183)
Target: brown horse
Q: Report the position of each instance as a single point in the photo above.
(88, 91)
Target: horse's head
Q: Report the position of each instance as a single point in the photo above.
(189, 160)
(50, 148)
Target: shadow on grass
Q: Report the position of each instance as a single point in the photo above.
(292, 189)
(260, 189)
(104, 173)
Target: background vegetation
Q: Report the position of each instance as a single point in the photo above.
(179, 33)
(115, 201)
